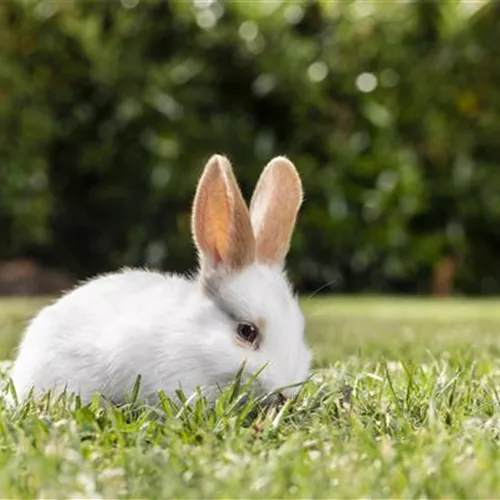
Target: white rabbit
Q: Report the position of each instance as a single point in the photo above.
(181, 333)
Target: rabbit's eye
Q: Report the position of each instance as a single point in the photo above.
(248, 332)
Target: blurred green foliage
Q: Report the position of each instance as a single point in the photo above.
(109, 110)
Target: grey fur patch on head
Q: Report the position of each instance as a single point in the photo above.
(211, 285)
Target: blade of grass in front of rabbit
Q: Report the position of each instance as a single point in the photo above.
(135, 390)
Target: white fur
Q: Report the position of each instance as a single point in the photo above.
(102, 335)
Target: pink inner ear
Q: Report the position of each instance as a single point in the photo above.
(217, 258)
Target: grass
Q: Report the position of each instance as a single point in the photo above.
(405, 403)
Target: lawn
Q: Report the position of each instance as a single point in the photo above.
(405, 403)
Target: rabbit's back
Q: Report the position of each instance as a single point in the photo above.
(96, 337)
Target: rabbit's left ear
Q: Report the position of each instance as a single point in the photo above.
(273, 210)
(220, 220)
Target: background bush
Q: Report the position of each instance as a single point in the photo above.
(109, 110)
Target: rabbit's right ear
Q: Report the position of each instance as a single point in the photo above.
(220, 221)
(274, 207)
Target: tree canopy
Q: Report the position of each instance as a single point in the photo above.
(109, 110)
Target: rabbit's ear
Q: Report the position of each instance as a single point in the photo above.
(274, 207)
(220, 222)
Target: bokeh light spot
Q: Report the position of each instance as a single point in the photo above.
(366, 82)
(206, 19)
(293, 13)
(317, 71)
(248, 30)
(130, 4)
(264, 84)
